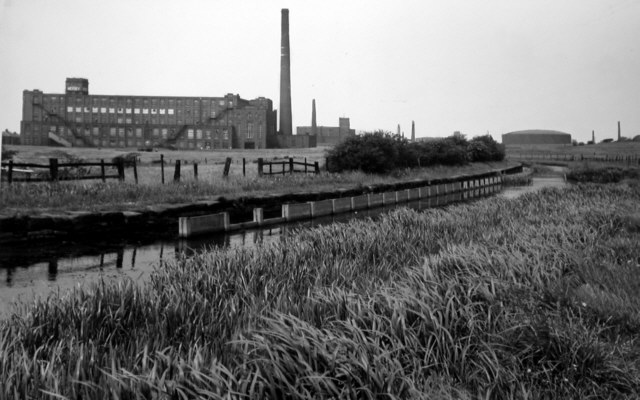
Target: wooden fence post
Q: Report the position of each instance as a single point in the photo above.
(326, 163)
(283, 171)
(291, 165)
(104, 179)
(120, 167)
(227, 165)
(53, 169)
(10, 172)
(195, 170)
(135, 170)
(305, 165)
(317, 167)
(162, 167)
(260, 165)
(244, 172)
(270, 165)
(176, 172)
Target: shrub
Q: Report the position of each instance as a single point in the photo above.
(485, 148)
(377, 152)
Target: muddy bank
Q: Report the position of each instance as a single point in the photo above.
(160, 220)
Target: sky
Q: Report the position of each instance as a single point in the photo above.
(477, 67)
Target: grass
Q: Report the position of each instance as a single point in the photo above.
(530, 298)
(34, 198)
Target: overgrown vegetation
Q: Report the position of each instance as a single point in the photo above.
(381, 152)
(602, 173)
(531, 298)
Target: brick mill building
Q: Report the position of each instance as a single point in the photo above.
(77, 118)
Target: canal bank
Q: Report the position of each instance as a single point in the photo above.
(160, 220)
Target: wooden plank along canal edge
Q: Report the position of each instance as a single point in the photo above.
(212, 223)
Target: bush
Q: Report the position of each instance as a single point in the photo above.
(382, 152)
(377, 152)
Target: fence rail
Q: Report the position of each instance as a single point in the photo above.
(54, 171)
(288, 166)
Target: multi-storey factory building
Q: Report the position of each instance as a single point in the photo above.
(77, 118)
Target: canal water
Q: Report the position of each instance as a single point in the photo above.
(28, 271)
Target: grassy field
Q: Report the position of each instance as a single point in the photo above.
(113, 195)
(532, 298)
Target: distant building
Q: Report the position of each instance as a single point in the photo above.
(9, 137)
(536, 137)
(329, 135)
(77, 118)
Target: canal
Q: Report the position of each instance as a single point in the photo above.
(29, 270)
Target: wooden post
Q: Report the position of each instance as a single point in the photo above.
(260, 165)
(10, 172)
(227, 165)
(176, 172)
(244, 164)
(135, 170)
(53, 169)
(195, 170)
(120, 167)
(317, 167)
(162, 167)
(305, 165)
(326, 163)
(270, 165)
(283, 171)
(102, 175)
(291, 165)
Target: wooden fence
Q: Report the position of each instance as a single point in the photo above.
(56, 171)
(284, 167)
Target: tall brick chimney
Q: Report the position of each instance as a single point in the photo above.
(619, 132)
(285, 77)
(413, 131)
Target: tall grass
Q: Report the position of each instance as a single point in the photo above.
(529, 298)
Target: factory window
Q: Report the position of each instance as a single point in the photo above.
(78, 119)
(128, 120)
(199, 134)
(69, 109)
(128, 111)
(170, 111)
(53, 128)
(136, 111)
(103, 110)
(225, 134)
(164, 133)
(120, 110)
(112, 110)
(94, 109)
(221, 103)
(139, 132)
(145, 111)
(154, 111)
(87, 109)
(96, 131)
(121, 132)
(249, 130)
(162, 111)
(112, 132)
(156, 132)
(190, 133)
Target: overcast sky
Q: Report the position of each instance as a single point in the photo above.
(472, 66)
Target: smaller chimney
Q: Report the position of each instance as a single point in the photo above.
(618, 131)
(413, 131)
(314, 126)
(398, 130)
(593, 137)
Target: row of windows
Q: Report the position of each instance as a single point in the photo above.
(163, 133)
(202, 145)
(149, 103)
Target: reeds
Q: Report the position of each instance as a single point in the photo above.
(529, 298)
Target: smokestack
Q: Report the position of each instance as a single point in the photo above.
(398, 129)
(285, 77)
(313, 117)
(593, 137)
(413, 131)
(618, 131)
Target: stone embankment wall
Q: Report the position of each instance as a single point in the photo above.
(160, 220)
